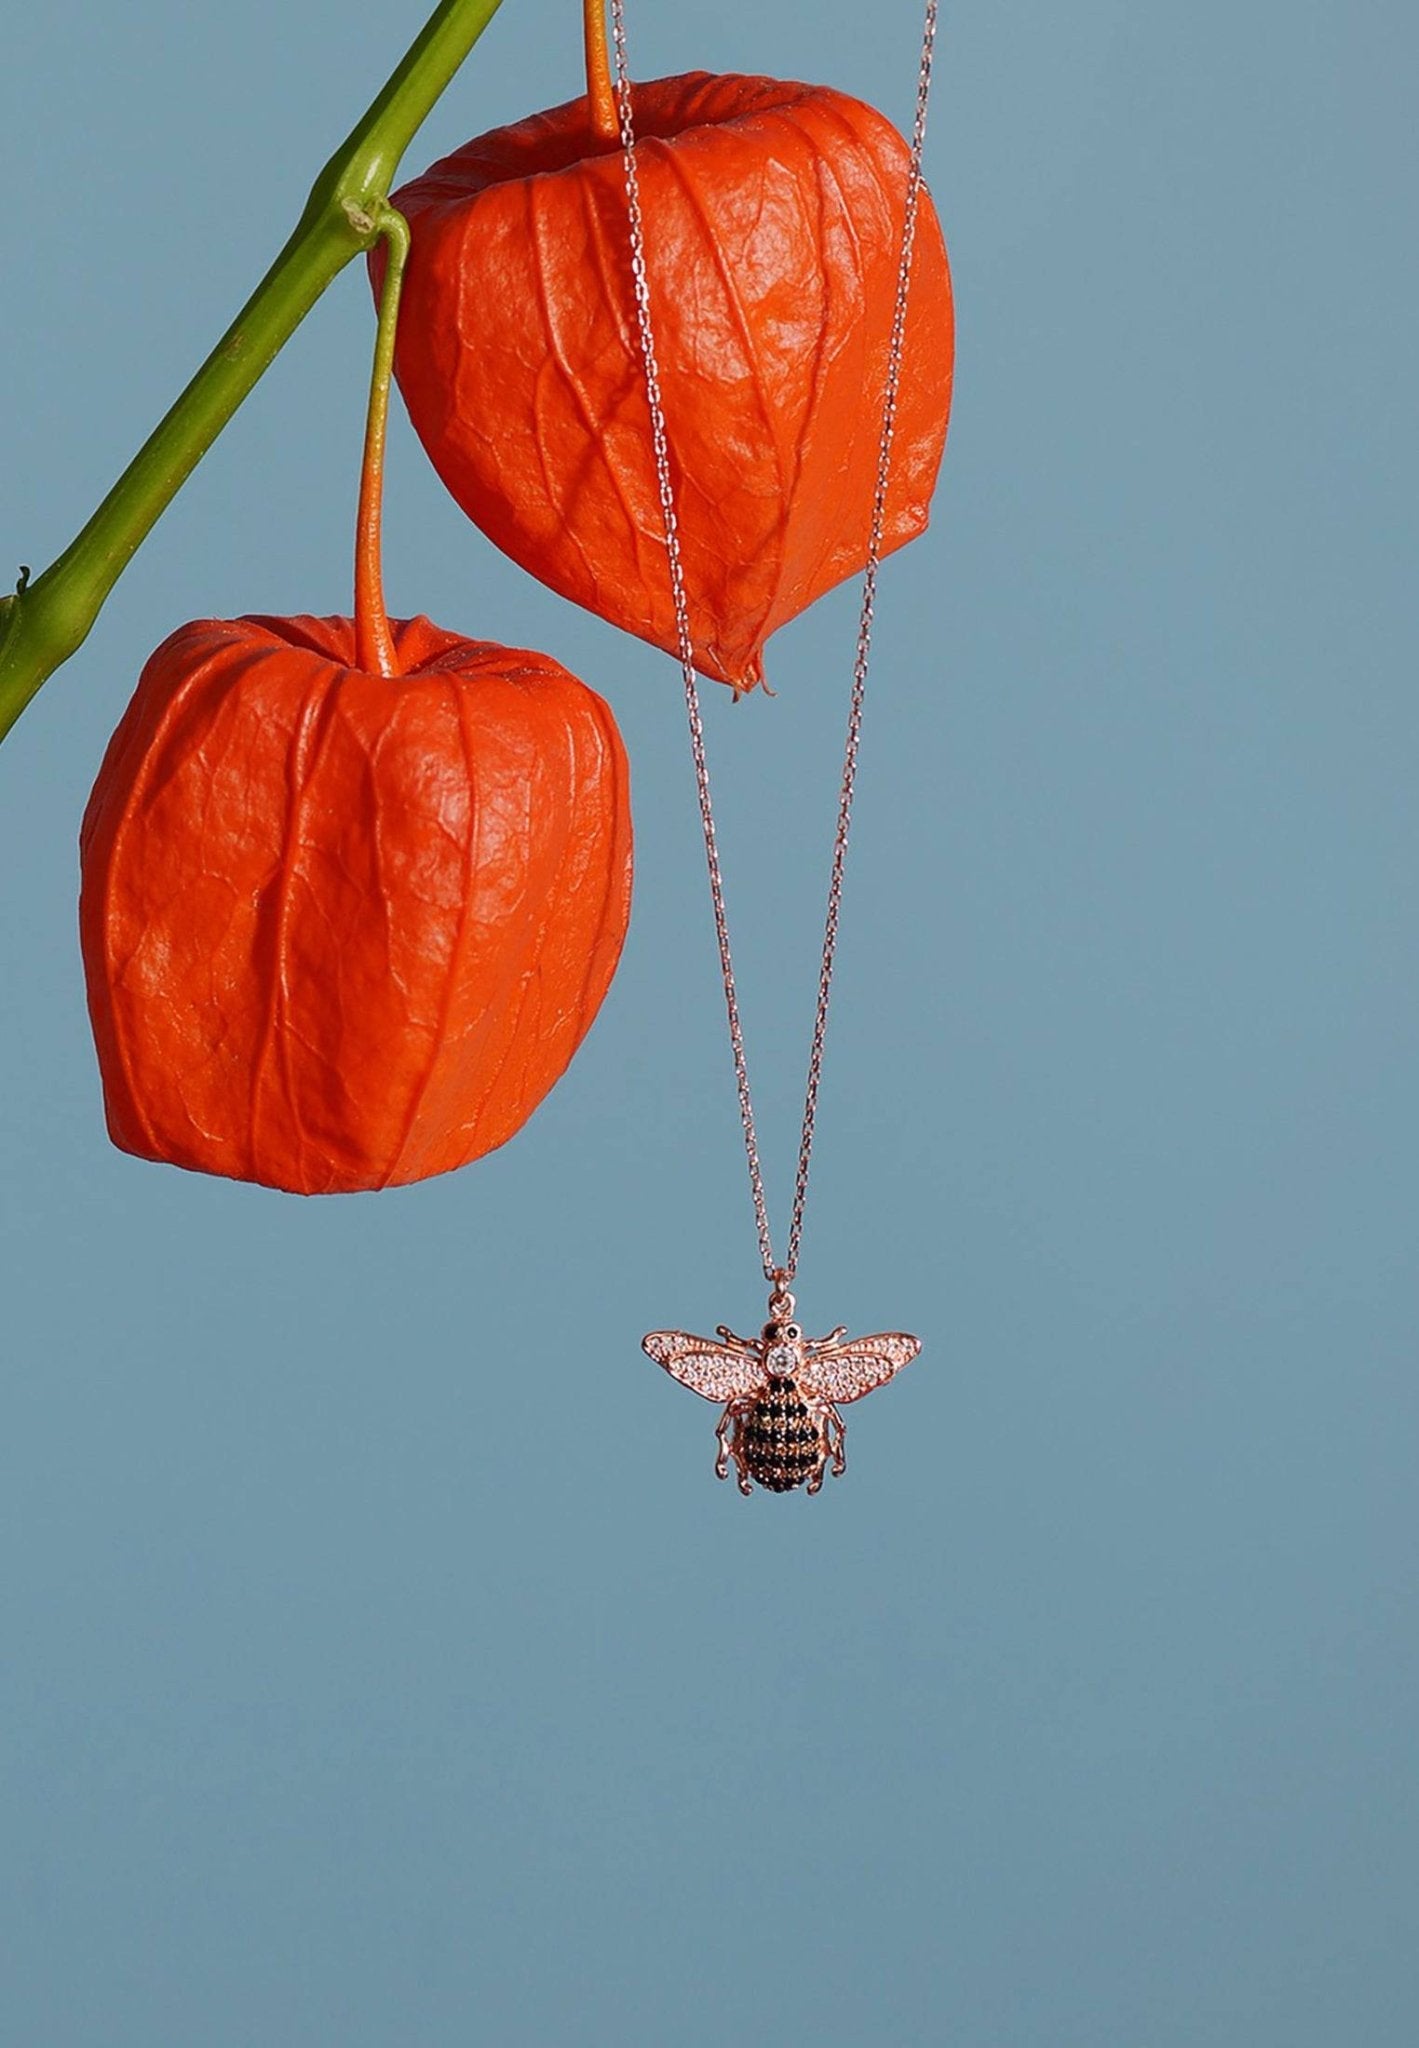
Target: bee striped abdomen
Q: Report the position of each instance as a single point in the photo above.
(779, 1439)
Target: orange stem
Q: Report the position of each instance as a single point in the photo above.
(374, 643)
(600, 92)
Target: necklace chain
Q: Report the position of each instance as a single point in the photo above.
(779, 1276)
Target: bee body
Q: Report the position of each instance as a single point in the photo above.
(780, 1440)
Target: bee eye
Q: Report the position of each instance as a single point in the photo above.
(793, 1333)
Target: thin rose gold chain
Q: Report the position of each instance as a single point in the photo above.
(778, 1276)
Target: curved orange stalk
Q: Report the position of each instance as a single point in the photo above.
(600, 93)
(374, 643)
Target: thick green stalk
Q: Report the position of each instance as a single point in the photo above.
(48, 619)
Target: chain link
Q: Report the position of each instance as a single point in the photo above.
(778, 1276)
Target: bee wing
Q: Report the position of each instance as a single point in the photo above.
(845, 1372)
(704, 1365)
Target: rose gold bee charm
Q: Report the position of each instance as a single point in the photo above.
(781, 1392)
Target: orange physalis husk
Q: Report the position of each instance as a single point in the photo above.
(345, 930)
(773, 219)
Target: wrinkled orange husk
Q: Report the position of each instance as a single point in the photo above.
(773, 220)
(343, 932)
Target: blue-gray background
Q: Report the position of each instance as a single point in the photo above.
(382, 1663)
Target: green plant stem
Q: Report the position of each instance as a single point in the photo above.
(49, 618)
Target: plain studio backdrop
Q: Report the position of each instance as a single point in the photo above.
(381, 1662)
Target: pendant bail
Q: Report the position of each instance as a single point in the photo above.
(781, 1302)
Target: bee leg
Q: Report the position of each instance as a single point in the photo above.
(730, 1424)
(836, 1439)
(734, 1421)
(721, 1461)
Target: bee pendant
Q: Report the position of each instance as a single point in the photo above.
(781, 1392)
